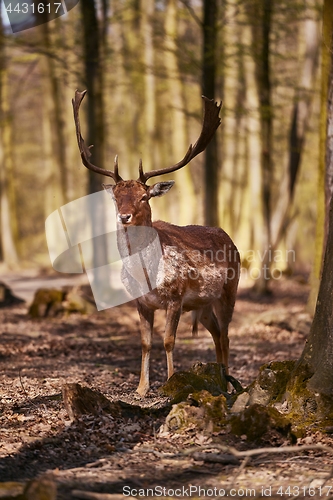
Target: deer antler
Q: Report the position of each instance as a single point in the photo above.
(211, 122)
(84, 150)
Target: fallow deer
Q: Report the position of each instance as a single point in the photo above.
(199, 266)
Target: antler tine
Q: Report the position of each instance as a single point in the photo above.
(116, 168)
(211, 122)
(84, 150)
(141, 174)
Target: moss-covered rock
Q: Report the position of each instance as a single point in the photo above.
(213, 375)
(75, 302)
(209, 377)
(201, 411)
(270, 385)
(257, 422)
(307, 408)
(47, 302)
(241, 402)
(50, 302)
(201, 401)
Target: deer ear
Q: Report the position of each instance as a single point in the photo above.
(160, 188)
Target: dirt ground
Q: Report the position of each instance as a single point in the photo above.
(106, 457)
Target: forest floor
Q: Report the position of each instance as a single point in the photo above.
(105, 457)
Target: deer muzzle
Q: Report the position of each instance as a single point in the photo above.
(124, 218)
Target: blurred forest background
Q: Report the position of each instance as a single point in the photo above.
(145, 64)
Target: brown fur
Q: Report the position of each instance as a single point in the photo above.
(198, 271)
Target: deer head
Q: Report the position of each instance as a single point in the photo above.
(132, 196)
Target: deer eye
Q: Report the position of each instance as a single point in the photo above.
(144, 197)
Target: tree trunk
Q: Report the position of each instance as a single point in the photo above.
(261, 39)
(312, 382)
(53, 195)
(147, 14)
(318, 351)
(94, 85)
(234, 185)
(53, 142)
(312, 379)
(127, 75)
(211, 171)
(322, 205)
(95, 121)
(329, 151)
(57, 122)
(179, 137)
(77, 174)
(7, 214)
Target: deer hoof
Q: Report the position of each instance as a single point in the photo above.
(142, 390)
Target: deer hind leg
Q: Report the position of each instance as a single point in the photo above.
(224, 308)
(195, 321)
(172, 319)
(146, 327)
(209, 320)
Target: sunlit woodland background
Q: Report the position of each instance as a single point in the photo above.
(146, 64)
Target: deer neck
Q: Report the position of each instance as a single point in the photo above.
(133, 239)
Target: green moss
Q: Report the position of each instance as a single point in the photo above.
(258, 420)
(52, 302)
(274, 377)
(307, 408)
(215, 406)
(204, 402)
(76, 303)
(47, 302)
(213, 375)
(177, 418)
(301, 400)
(210, 377)
(202, 411)
(270, 385)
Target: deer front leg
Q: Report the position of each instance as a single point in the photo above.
(146, 327)
(172, 319)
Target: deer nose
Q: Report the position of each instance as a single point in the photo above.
(124, 218)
